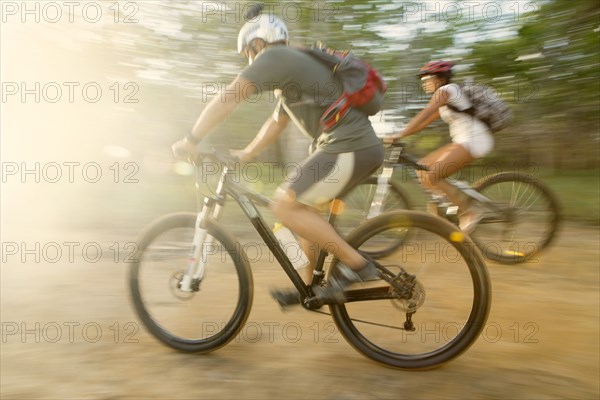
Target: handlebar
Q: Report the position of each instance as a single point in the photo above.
(214, 154)
(396, 156)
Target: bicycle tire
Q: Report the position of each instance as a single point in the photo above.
(522, 187)
(397, 353)
(142, 267)
(356, 208)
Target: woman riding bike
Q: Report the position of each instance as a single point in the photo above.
(471, 138)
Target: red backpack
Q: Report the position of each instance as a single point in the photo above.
(363, 85)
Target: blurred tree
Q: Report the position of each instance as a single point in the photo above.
(553, 75)
(542, 56)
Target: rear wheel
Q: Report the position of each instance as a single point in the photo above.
(440, 305)
(526, 220)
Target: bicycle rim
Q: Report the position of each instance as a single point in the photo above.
(526, 222)
(450, 300)
(201, 321)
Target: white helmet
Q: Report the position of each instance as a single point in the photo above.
(266, 27)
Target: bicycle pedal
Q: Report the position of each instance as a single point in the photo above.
(452, 210)
(286, 298)
(328, 295)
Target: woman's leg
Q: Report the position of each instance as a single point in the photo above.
(442, 163)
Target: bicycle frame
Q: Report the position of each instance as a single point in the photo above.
(382, 184)
(397, 159)
(247, 200)
(406, 291)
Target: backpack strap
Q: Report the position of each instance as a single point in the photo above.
(290, 113)
(335, 113)
(470, 110)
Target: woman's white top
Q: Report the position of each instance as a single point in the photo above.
(462, 124)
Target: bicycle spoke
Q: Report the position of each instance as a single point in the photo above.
(357, 209)
(440, 305)
(200, 319)
(524, 222)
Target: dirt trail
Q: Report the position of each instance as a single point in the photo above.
(68, 331)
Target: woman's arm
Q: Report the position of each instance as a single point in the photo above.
(421, 123)
(422, 120)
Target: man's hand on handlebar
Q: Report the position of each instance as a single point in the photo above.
(241, 155)
(184, 149)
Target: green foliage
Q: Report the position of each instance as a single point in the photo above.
(556, 49)
(543, 60)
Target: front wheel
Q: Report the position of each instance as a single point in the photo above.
(199, 321)
(446, 302)
(525, 219)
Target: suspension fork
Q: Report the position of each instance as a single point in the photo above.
(196, 264)
(202, 241)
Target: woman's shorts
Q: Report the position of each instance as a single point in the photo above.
(477, 144)
(323, 176)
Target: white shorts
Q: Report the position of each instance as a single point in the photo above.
(478, 144)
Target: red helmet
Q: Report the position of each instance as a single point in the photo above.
(436, 67)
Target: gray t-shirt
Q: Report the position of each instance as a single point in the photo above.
(308, 88)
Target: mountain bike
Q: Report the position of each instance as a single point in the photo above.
(191, 282)
(520, 215)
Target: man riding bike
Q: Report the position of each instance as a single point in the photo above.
(340, 157)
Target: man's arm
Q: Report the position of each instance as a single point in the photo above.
(221, 106)
(217, 110)
(268, 134)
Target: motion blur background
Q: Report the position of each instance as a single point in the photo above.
(95, 92)
(157, 64)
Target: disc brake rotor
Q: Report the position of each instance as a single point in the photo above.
(174, 285)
